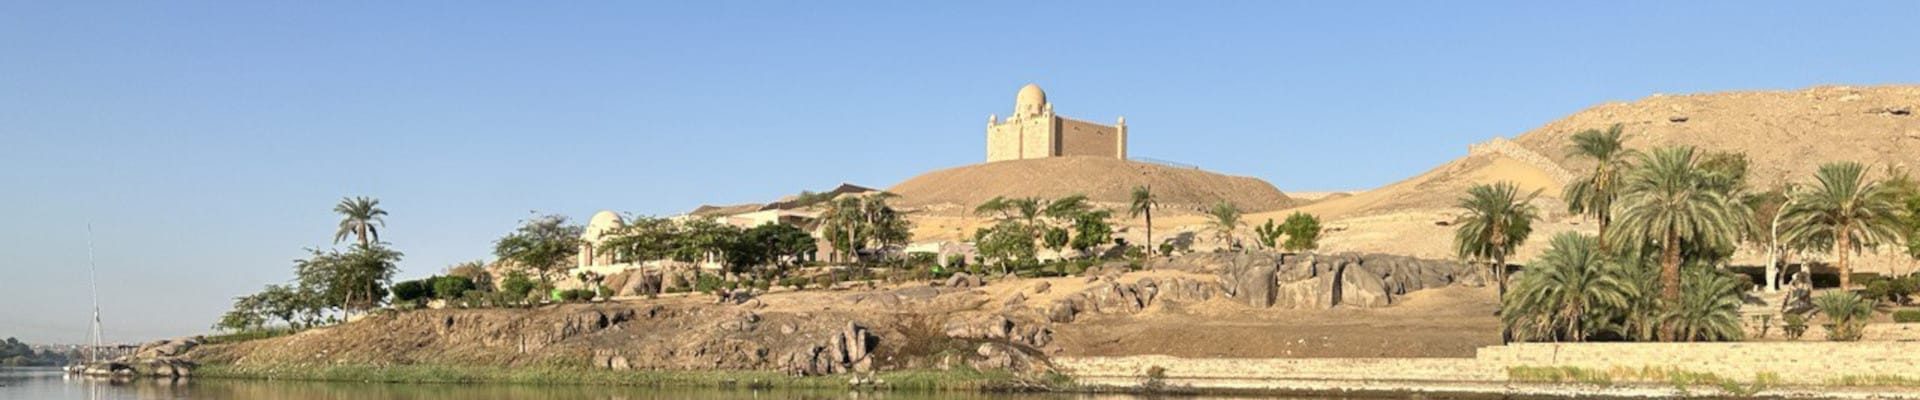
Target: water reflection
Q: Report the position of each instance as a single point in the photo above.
(51, 384)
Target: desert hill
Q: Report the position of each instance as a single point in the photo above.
(1785, 135)
(1105, 181)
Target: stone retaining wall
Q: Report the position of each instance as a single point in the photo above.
(1795, 363)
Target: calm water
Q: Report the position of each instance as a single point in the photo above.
(51, 384)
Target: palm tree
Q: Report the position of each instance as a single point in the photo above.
(1143, 203)
(1225, 221)
(1846, 212)
(1667, 201)
(1710, 308)
(1498, 220)
(1594, 194)
(1565, 294)
(359, 217)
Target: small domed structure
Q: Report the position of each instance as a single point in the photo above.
(1030, 101)
(602, 223)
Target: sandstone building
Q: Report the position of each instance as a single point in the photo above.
(1034, 131)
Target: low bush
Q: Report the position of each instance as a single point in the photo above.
(451, 287)
(517, 284)
(1906, 315)
(410, 292)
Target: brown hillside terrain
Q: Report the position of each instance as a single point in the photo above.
(1785, 134)
(1103, 180)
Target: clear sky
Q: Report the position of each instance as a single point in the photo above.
(206, 143)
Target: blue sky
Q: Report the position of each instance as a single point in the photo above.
(207, 142)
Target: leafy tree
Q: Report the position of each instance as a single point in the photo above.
(544, 243)
(643, 239)
(1709, 309)
(451, 287)
(1090, 229)
(855, 223)
(1055, 238)
(1006, 243)
(517, 285)
(360, 217)
(1844, 212)
(1497, 221)
(1668, 204)
(1593, 195)
(475, 271)
(1268, 234)
(412, 291)
(1569, 293)
(1142, 204)
(354, 280)
(782, 244)
(1302, 230)
(1224, 220)
(246, 315)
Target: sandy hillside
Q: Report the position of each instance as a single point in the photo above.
(1104, 180)
(1785, 134)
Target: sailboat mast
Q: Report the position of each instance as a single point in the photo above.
(93, 284)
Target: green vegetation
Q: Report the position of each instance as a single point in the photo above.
(1594, 194)
(1670, 203)
(1573, 292)
(545, 243)
(853, 224)
(1024, 225)
(13, 353)
(1142, 204)
(924, 380)
(1906, 316)
(1497, 221)
(1847, 314)
(1302, 230)
(1844, 213)
(1223, 219)
(360, 217)
(1680, 379)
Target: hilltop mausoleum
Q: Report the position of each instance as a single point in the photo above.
(1034, 131)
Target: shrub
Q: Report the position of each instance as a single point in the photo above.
(1847, 314)
(707, 283)
(1793, 326)
(795, 282)
(1906, 315)
(517, 285)
(451, 287)
(409, 292)
(605, 293)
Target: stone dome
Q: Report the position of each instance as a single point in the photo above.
(1030, 100)
(601, 223)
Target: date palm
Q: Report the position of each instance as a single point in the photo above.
(1845, 212)
(1710, 308)
(1667, 201)
(1593, 195)
(1224, 221)
(1566, 293)
(1142, 205)
(1497, 221)
(360, 217)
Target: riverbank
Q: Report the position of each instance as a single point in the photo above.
(958, 379)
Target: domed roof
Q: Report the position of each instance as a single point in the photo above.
(601, 223)
(1030, 98)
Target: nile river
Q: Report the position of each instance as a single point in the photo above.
(51, 384)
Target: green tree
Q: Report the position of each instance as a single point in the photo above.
(360, 217)
(1569, 293)
(1709, 309)
(351, 281)
(1006, 244)
(1143, 204)
(1497, 221)
(1302, 230)
(1091, 229)
(1593, 195)
(245, 316)
(855, 223)
(545, 244)
(1668, 204)
(451, 287)
(1268, 234)
(642, 239)
(1844, 211)
(1847, 314)
(1055, 238)
(1224, 220)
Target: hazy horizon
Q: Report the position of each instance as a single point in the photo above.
(207, 145)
